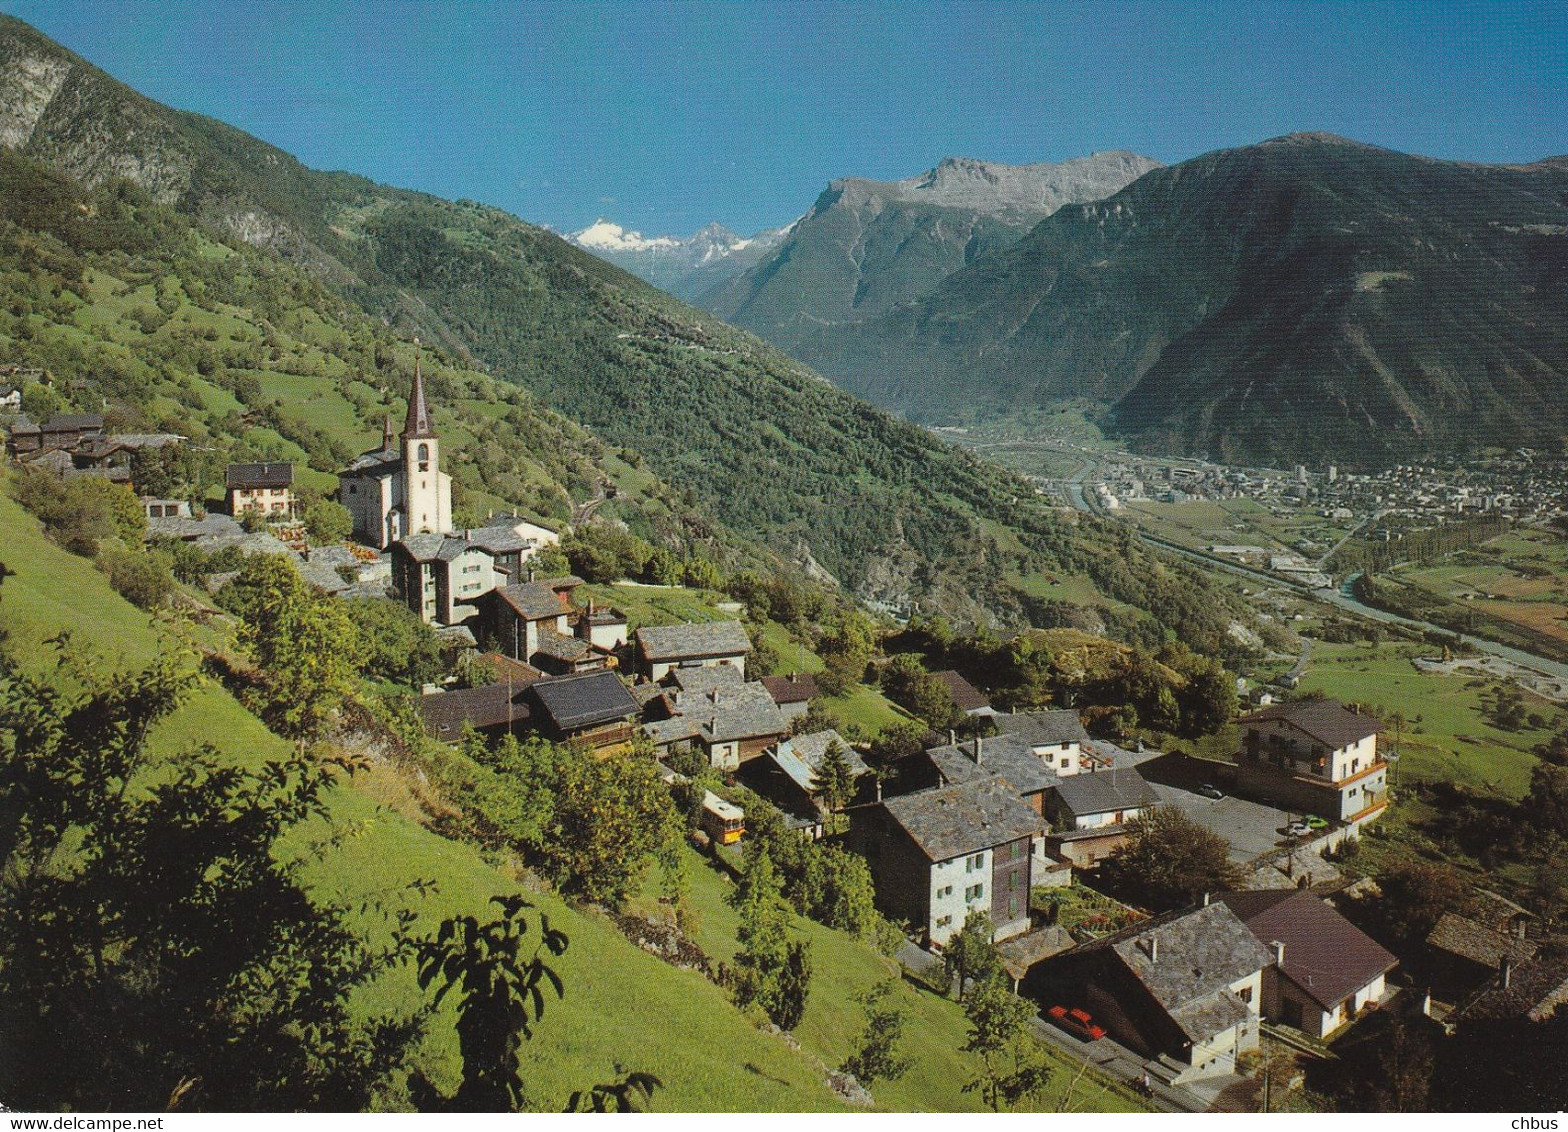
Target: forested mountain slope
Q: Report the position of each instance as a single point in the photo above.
(1309, 298)
(866, 246)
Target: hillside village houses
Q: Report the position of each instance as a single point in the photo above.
(1316, 756)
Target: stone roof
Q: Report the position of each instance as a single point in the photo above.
(322, 577)
(1043, 728)
(181, 528)
(745, 711)
(1327, 721)
(1104, 791)
(966, 697)
(963, 818)
(796, 688)
(693, 641)
(272, 474)
(532, 601)
(677, 729)
(585, 700)
(498, 539)
(1009, 756)
(384, 461)
(810, 749)
(559, 647)
(1534, 991)
(1187, 960)
(1462, 936)
(1326, 956)
(698, 681)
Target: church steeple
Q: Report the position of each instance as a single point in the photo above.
(388, 437)
(417, 427)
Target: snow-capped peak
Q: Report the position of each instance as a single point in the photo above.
(603, 235)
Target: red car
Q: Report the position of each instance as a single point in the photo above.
(1075, 1021)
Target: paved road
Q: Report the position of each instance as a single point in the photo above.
(1252, 829)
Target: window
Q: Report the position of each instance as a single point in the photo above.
(943, 921)
(1245, 994)
(424, 458)
(1066, 763)
(941, 892)
(973, 893)
(1012, 907)
(975, 863)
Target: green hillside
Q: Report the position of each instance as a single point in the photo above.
(622, 1006)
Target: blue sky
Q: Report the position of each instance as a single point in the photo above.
(665, 116)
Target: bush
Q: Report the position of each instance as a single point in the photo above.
(141, 578)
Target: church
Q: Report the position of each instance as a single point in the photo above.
(399, 489)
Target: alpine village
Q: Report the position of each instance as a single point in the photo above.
(441, 670)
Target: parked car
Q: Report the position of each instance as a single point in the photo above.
(1209, 790)
(1076, 1021)
(1297, 829)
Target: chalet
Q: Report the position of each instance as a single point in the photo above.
(594, 709)
(1325, 972)
(263, 489)
(966, 697)
(663, 648)
(787, 777)
(533, 622)
(690, 684)
(1465, 953)
(793, 693)
(1183, 990)
(1317, 757)
(937, 855)
(1091, 813)
(64, 430)
(1057, 737)
(603, 628)
(493, 710)
(734, 724)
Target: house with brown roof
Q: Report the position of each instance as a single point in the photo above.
(265, 489)
(532, 622)
(1092, 814)
(1326, 971)
(493, 710)
(966, 697)
(937, 855)
(593, 709)
(1184, 989)
(793, 693)
(1315, 756)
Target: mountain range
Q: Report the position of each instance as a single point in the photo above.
(685, 266)
(779, 458)
(1309, 298)
(867, 246)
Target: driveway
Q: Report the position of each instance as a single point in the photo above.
(1252, 829)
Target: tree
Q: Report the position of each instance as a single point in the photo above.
(610, 817)
(500, 998)
(396, 645)
(306, 646)
(141, 578)
(876, 1048)
(1169, 860)
(1547, 803)
(970, 955)
(80, 513)
(834, 781)
(1416, 894)
(770, 970)
(179, 961)
(327, 522)
(909, 685)
(998, 1027)
(835, 889)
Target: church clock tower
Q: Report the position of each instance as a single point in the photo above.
(427, 492)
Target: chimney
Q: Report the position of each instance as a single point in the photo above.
(879, 789)
(952, 737)
(1205, 899)
(1153, 948)
(1505, 971)
(1279, 952)
(977, 750)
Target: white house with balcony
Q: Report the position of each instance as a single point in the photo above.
(1318, 757)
